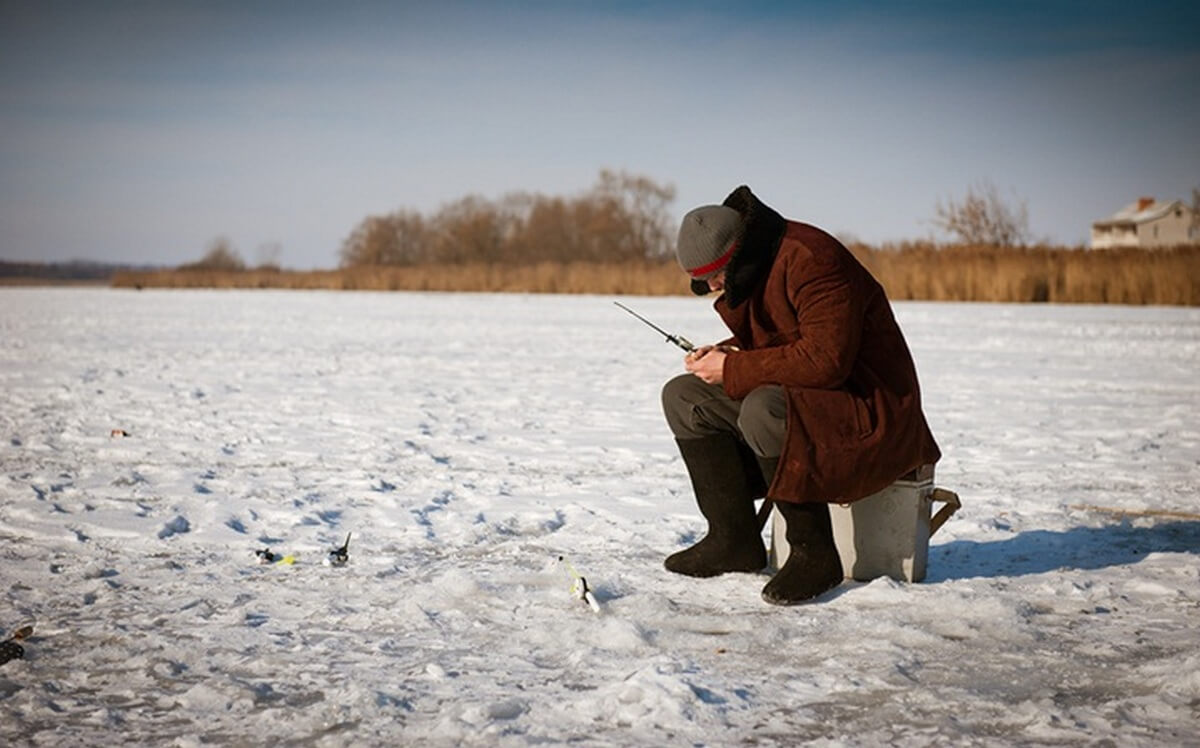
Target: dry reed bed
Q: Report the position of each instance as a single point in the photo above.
(646, 278)
(913, 271)
(964, 273)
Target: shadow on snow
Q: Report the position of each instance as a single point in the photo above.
(1040, 551)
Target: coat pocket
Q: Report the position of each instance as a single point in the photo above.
(835, 419)
(864, 415)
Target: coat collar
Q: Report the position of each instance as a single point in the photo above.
(763, 232)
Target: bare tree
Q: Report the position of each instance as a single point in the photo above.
(983, 217)
(399, 238)
(551, 232)
(220, 256)
(370, 243)
(468, 230)
(412, 237)
(1194, 229)
(644, 205)
(624, 216)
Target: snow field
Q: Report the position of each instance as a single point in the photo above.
(468, 440)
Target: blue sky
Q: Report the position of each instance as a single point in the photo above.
(138, 131)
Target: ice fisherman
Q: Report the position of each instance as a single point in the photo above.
(813, 400)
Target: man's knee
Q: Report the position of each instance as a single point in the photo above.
(694, 408)
(763, 420)
(681, 388)
(679, 397)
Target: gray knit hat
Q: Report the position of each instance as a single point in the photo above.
(708, 238)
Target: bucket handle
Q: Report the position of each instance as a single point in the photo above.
(953, 504)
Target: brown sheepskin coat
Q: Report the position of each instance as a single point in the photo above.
(809, 317)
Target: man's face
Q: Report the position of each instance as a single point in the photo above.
(717, 282)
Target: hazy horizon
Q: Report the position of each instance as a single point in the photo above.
(138, 132)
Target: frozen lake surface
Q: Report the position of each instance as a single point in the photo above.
(468, 440)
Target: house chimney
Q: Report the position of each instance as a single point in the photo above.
(1144, 202)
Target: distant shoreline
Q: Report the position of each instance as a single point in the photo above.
(912, 271)
(915, 272)
(72, 273)
(36, 281)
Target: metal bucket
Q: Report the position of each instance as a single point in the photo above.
(884, 534)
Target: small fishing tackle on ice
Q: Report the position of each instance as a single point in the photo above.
(579, 585)
(267, 556)
(339, 556)
(9, 649)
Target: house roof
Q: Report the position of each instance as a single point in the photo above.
(1131, 214)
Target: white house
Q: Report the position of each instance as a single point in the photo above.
(1146, 224)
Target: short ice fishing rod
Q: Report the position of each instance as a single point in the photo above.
(678, 340)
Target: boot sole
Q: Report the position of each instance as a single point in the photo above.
(785, 602)
(708, 573)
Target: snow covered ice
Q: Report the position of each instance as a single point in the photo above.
(469, 440)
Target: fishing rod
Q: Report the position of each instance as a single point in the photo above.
(678, 340)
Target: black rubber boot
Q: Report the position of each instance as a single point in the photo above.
(767, 466)
(766, 469)
(725, 494)
(813, 565)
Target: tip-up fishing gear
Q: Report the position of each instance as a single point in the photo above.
(678, 340)
(9, 649)
(339, 556)
(267, 556)
(579, 586)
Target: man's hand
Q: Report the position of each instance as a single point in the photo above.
(706, 362)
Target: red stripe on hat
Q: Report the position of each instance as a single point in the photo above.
(716, 264)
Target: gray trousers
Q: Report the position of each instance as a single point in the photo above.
(695, 409)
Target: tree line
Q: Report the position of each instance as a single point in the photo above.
(621, 217)
(618, 237)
